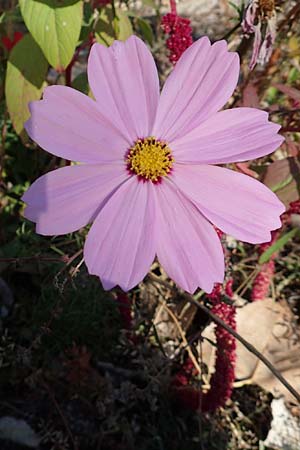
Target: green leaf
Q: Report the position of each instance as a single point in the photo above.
(26, 72)
(145, 30)
(87, 22)
(277, 246)
(109, 28)
(55, 25)
(123, 26)
(104, 30)
(81, 83)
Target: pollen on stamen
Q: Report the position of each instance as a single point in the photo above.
(149, 159)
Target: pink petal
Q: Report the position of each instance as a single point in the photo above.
(120, 246)
(188, 246)
(237, 204)
(202, 81)
(125, 83)
(233, 135)
(67, 199)
(69, 124)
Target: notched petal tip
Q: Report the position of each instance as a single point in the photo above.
(236, 57)
(122, 255)
(188, 249)
(116, 43)
(27, 214)
(136, 39)
(223, 46)
(202, 40)
(280, 137)
(107, 284)
(29, 125)
(110, 284)
(24, 197)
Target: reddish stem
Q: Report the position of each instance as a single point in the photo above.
(173, 7)
(68, 72)
(290, 130)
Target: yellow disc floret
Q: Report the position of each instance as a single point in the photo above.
(150, 159)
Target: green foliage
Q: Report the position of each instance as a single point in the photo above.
(112, 24)
(26, 72)
(146, 30)
(278, 245)
(81, 83)
(84, 315)
(55, 25)
(87, 22)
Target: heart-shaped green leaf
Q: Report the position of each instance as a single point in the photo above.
(26, 72)
(55, 25)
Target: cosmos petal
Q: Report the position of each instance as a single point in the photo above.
(232, 135)
(125, 83)
(67, 199)
(120, 246)
(237, 204)
(200, 84)
(188, 247)
(69, 124)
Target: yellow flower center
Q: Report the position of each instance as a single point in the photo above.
(150, 159)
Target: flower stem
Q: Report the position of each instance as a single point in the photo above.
(173, 7)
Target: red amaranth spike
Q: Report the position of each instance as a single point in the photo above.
(180, 35)
(221, 384)
(262, 281)
(294, 207)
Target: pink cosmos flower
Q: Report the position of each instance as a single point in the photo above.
(148, 177)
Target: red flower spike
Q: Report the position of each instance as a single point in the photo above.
(228, 288)
(180, 35)
(224, 375)
(262, 281)
(221, 384)
(294, 207)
